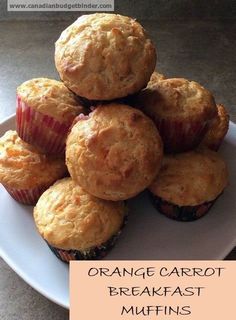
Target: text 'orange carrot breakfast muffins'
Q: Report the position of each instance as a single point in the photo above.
(105, 56)
(24, 172)
(189, 183)
(181, 109)
(115, 153)
(76, 225)
(217, 130)
(44, 113)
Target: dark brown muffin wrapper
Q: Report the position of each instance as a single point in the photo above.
(91, 104)
(214, 146)
(95, 253)
(181, 213)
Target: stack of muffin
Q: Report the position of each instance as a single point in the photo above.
(192, 128)
(108, 120)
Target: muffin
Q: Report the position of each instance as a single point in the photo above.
(76, 225)
(132, 99)
(181, 109)
(217, 129)
(105, 56)
(189, 183)
(115, 153)
(44, 113)
(155, 77)
(24, 172)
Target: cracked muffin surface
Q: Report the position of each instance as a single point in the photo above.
(105, 56)
(67, 217)
(115, 153)
(191, 178)
(22, 166)
(176, 98)
(50, 97)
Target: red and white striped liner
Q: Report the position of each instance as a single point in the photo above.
(40, 130)
(26, 196)
(178, 136)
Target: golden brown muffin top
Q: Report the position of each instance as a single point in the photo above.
(177, 98)
(68, 217)
(191, 178)
(217, 129)
(103, 56)
(155, 77)
(115, 153)
(22, 167)
(50, 97)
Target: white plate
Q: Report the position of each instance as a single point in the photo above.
(148, 235)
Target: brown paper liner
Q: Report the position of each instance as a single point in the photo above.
(181, 213)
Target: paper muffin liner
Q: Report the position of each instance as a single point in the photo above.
(40, 130)
(27, 196)
(181, 213)
(213, 145)
(179, 136)
(95, 253)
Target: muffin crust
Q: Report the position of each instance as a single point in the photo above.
(50, 97)
(105, 56)
(115, 153)
(155, 77)
(68, 217)
(23, 167)
(177, 98)
(191, 178)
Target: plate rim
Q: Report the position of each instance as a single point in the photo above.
(10, 262)
(6, 119)
(29, 280)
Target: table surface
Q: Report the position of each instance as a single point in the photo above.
(202, 51)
